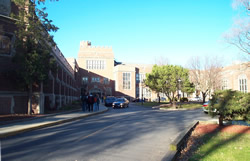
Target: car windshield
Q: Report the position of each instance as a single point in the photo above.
(111, 98)
(120, 100)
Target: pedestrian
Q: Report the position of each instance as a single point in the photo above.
(97, 103)
(90, 102)
(102, 99)
(84, 102)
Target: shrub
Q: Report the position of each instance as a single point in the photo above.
(230, 104)
(184, 99)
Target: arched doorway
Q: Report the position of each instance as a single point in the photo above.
(96, 91)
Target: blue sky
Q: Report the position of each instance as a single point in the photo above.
(143, 31)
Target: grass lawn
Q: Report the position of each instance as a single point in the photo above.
(191, 105)
(223, 147)
(183, 105)
(151, 104)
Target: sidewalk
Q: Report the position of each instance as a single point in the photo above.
(37, 123)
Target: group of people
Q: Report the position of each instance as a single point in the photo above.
(90, 102)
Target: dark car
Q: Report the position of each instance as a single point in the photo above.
(109, 100)
(121, 103)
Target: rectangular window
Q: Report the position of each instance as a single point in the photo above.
(95, 64)
(5, 44)
(106, 81)
(243, 85)
(126, 80)
(137, 77)
(224, 84)
(142, 77)
(137, 91)
(95, 79)
(84, 80)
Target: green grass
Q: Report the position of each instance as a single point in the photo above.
(151, 104)
(183, 105)
(191, 105)
(223, 147)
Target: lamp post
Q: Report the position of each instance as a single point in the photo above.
(179, 83)
(142, 84)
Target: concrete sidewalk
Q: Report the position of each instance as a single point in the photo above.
(37, 123)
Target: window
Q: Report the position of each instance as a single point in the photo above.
(5, 44)
(106, 81)
(84, 80)
(137, 77)
(95, 79)
(126, 80)
(146, 92)
(243, 85)
(142, 77)
(137, 91)
(95, 64)
(224, 84)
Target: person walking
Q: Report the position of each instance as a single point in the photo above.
(90, 102)
(97, 103)
(84, 102)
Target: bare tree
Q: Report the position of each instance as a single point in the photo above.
(161, 61)
(206, 75)
(239, 34)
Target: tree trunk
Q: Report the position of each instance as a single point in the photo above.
(30, 99)
(174, 102)
(159, 99)
(203, 97)
(221, 120)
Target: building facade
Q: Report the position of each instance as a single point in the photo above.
(236, 77)
(97, 66)
(61, 88)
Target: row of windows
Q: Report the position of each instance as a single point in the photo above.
(95, 80)
(140, 77)
(95, 64)
(242, 85)
(126, 77)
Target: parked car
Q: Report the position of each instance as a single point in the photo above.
(196, 99)
(109, 100)
(121, 103)
(206, 107)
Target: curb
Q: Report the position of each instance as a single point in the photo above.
(178, 109)
(49, 124)
(179, 143)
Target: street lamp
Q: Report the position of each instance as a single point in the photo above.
(179, 83)
(142, 84)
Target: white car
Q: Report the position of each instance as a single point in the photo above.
(197, 99)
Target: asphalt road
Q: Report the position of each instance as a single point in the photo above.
(132, 134)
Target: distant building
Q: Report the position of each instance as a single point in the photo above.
(97, 66)
(236, 77)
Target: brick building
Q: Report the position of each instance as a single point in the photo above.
(97, 66)
(236, 77)
(62, 87)
(102, 76)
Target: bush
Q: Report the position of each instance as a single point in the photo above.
(230, 104)
(184, 99)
